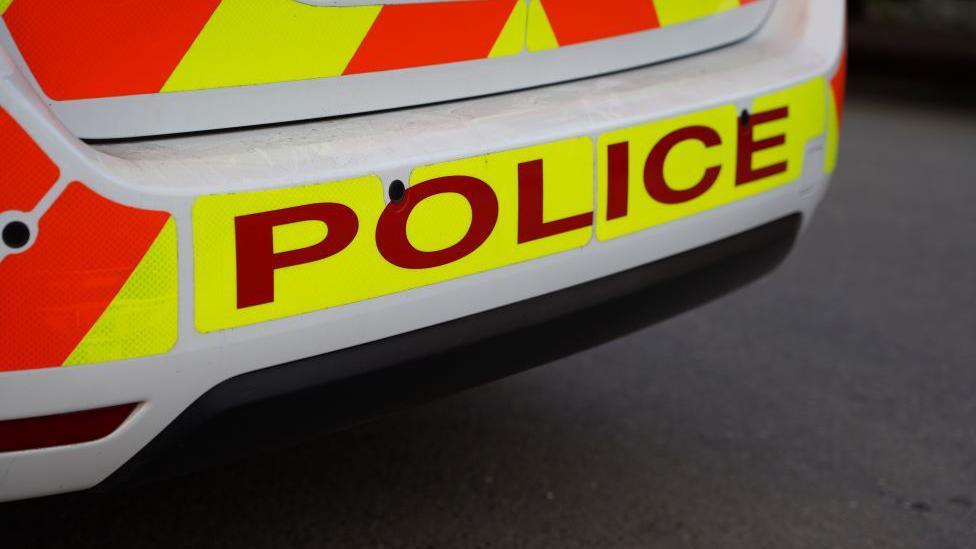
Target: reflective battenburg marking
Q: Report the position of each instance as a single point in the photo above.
(99, 284)
(265, 255)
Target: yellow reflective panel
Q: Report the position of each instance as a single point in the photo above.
(685, 167)
(266, 255)
(426, 228)
(807, 119)
(360, 270)
(703, 141)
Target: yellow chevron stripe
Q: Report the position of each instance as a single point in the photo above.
(832, 145)
(673, 12)
(264, 41)
(141, 320)
(4, 4)
(541, 36)
(511, 41)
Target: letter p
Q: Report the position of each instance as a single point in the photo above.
(256, 257)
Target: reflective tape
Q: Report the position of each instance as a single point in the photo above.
(96, 282)
(129, 47)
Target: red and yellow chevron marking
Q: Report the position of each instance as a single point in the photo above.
(557, 23)
(80, 49)
(129, 47)
(99, 281)
(414, 35)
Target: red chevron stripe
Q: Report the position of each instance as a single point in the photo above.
(839, 85)
(26, 173)
(86, 249)
(415, 35)
(575, 21)
(79, 49)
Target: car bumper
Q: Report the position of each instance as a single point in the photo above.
(801, 43)
(273, 408)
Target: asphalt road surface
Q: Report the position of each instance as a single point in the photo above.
(832, 404)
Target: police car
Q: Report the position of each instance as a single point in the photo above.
(229, 224)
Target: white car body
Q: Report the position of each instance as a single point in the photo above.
(800, 42)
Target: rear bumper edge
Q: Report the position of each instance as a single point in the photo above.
(285, 404)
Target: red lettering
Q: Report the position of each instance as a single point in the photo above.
(391, 231)
(531, 225)
(748, 147)
(257, 260)
(618, 177)
(654, 180)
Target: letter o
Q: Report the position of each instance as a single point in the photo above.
(391, 230)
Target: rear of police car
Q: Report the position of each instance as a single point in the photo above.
(210, 206)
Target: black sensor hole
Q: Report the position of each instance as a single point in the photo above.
(397, 191)
(744, 118)
(16, 234)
